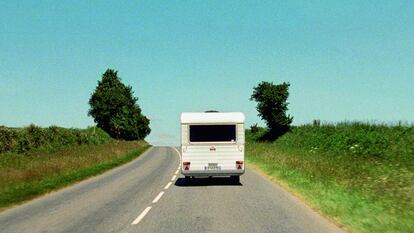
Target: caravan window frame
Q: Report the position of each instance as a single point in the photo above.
(213, 142)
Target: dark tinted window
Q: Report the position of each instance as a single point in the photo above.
(212, 133)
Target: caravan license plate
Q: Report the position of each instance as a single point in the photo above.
(212, 166)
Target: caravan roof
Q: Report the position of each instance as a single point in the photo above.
(211, 117)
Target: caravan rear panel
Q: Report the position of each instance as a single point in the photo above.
(212, 146)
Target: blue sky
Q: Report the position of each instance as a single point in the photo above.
(345, 60)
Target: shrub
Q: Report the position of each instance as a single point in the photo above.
(254, 128)
(353, 138)
(7, 139)
(316, 122)
(22, 140)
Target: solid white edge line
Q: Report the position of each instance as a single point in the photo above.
(179, 156)
(168, 185)
(141, 216)
(179, 165)
(176, 151)
(173, 178)
(157, 198)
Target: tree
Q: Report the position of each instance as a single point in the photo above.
(272, 106)
(115, 109)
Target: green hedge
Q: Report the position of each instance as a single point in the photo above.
(350, 138)
(359, 174)
(22, 140)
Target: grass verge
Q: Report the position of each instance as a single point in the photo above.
(24, 177)
(361, 191)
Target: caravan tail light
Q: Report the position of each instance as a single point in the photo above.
(186, 166)
(239, 164)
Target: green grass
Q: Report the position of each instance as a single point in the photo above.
(360, 175)
(23, 177)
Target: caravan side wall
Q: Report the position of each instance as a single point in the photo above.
(212, 158)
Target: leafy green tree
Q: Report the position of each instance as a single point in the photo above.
(115, 109)
(272, 106)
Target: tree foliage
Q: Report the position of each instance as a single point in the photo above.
(272, 106)
(115, 109)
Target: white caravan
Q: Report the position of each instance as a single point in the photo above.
(212, 144)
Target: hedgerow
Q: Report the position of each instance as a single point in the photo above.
(22, 140)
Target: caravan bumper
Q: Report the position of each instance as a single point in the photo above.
(203, 173)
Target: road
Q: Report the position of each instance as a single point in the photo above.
(138, 197)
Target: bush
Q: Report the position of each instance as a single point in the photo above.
(22, 140)
(316, 122)
(360, 174)
(254, 128)
(7, 139)
(353, 138)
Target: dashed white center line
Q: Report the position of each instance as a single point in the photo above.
(157, 198)
(168, 185)
(141, 216)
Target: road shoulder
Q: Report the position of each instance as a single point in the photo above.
(293, 195)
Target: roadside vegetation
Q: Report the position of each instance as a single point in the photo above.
(35, 138)
(46, 168)
(115, 109)
(360, 175)
(35, 160)
(272, 107)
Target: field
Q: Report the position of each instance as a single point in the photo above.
(66, 157)
(359, 175)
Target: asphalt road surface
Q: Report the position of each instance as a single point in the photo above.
(149, 195)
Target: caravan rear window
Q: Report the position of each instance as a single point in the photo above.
(212, 133)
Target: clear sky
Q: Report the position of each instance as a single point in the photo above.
(345, 60)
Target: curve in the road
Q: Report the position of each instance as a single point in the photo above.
(149, 195)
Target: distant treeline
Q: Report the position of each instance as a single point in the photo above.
(358, 138)
(22, 140)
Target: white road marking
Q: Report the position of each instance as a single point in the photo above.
(176, 150)
(168, 185)
(141, 216)
(179, 156)
(157, 198)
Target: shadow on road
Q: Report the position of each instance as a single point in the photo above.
(214, 181)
